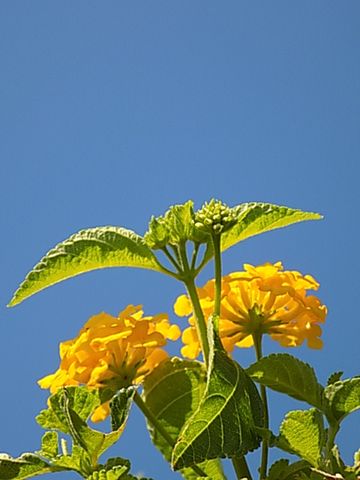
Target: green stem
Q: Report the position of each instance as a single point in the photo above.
(241, 468)
(200, 319)
(171, 258)
(265, 443)
(217, 259)
(194, 256)
(157, 425)
(239, 463)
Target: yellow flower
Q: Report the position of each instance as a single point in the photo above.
(259, 300)
(112, 352)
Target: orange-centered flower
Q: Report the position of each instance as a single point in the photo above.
(259, 300)
(112, 352)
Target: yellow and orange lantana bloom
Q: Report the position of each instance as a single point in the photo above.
(112, 352)
(259, 300)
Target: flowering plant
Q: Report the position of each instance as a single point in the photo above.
(198, 411)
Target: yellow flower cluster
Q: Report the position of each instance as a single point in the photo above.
(112, 352)
(259, 300)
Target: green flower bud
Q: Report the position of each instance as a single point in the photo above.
(215, 217)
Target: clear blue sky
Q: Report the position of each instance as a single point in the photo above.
(111, 111)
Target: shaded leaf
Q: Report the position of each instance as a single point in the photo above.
(26, 466)
(224, 423)
(120, 407)
(334, 377)
(302, 432)
(343, 397)
(87, 250)
(284, 373)
(172, 393)
(255, 218)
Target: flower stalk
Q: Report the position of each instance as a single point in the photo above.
(265, 443)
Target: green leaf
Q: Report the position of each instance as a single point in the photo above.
(87, 250)
(343, 397)
(282, 470)
(334, 377)
(26, 466)
(114, 469)
(93, 441)
(256, 218)
(71, 407)
(302, 432)
(81, 400)
(78, 460)
(49, 445)
(172, 393)
(175, 227)
(286, 374)
(224, 424)
(120, 406)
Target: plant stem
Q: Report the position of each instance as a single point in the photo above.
(217, 260)
(241, 468)
(200, 319)
(239, 463)
(265, 443)
(171, 258)
(157, 425)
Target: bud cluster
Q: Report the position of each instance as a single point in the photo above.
(215, 217)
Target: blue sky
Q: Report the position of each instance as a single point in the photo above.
(112, 111)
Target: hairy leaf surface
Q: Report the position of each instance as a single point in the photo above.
(284, 373)
(343, 397)
(87, 250)
(224, 425)
(172, 393)
(26, 466)
(302, 432)
(255, 218)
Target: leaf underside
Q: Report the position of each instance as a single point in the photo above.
(87, 250)
(255, 218)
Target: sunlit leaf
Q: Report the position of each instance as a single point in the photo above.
(284, 373)
(49, 445)
(343, 397)
(256, 218)
(302, 432)
(284, 470)
(87, 250)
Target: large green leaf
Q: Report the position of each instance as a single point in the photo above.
(343, 397)
(302, 432)
(172, 393)
(284, 373)
(87, 250)
(224, 424)
(255, 218)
